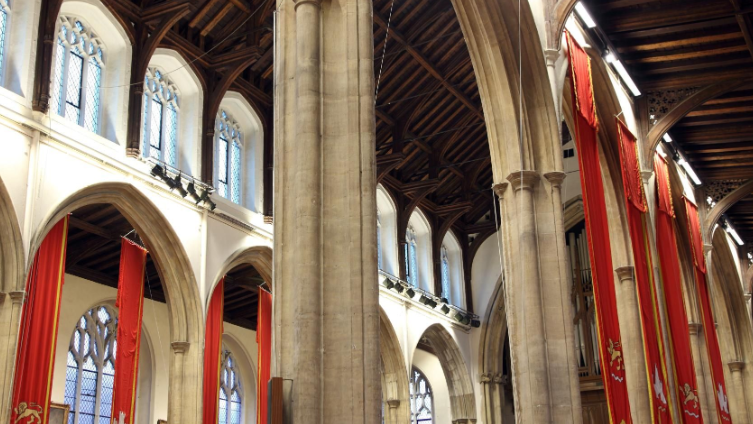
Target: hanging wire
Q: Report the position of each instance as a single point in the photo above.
(203, 54)
(384, 51)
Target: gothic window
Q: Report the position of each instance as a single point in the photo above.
(160, 117)
(229, 144)
(411, 257)
(421, 402)
(90, 374)
(79, 61)
(445, 274)
(230, 390)
(4, 12)
(379, 241)
(582, 297)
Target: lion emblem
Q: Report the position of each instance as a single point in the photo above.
(30, 413)
(690, 395)
(614, 354)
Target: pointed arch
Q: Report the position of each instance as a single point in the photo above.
(395, 390)
(258, 256)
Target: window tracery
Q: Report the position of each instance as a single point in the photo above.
(411, 257)
(229, 146)
(4, 12)
(230, 390)
(160, 118)
(79, 63)
(445, 274)
(421, 398)
(379, 241)
(90, 374)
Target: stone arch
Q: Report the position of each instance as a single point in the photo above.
(722, 206)
(395, 391)
(258, 256)
(556, 24)
(248, 373)
(491, 357)
(462, 398)
(181, 289)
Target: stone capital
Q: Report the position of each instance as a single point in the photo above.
(180, 347)
(486, 378)
(393, 403)
(551, 56)
(499, 378)
(523, 180)
(747, 296)
(17, 296)
(316, 3)
(646, 175)
(625, 273)
(707, 248)
(735, 366)
(500, 189)
(694, 328)
(268, 219)
(555, 178)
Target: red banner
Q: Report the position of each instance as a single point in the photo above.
(213, 354)
(653, 342)
(666, 245)
(130, 304)
(597, 230)
(37, 335)
(264, 342)
(704, 299)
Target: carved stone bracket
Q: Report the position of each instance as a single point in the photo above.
(180, 347)
(17, 297)
(735, 366)
(555, 178)
(393, 403)
(694, 328)
(660, 103)
(523, 180)
(625, 273)
(500, 189)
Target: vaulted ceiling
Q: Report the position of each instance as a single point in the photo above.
(675, 48)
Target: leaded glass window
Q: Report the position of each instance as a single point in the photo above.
(230, 390)
(411, 257)
(90, 373)
(79, 62)
(160, 116)
(445, 274)
(421, 398)
(379, 241)
(4, 12)
(229, 147)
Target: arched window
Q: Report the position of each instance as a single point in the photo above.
(230, 390)
(229, 145)
(90, 374)
(379, 241)
(411, 257)
(421, 403)
(4, 12)
(445, 274)
(79, 61)
(160, 118)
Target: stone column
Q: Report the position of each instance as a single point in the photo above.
(551, 56)
(9, 323)
(326, 299)
(702, 370)
(175, 406)
(737, 389)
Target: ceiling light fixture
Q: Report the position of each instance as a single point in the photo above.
(626, 78)
(581, 10)
(667, 138)
(731, 231)
(609, 57)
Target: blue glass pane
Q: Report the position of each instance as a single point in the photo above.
(145, 127)
(155, 129)
(3, 26)
(235, 412)
(171, 142)
(73, 87)
(223, 410)
(235, 173)
(222, 188)
(57, 86)
(445, 278)
(93, 84)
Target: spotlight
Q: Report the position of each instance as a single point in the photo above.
(424, 299)
(475, 323)
(445, 310)
(178, 183)
(205, 198)
(410, 293)
(388, 283)
(399, 288)
(463, 319)
(444, 300)
(158, 172)
(432, 303)
(192, 191)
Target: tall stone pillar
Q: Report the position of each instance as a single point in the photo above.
(326, 313)
(701, 364)
(740, 410)
(175, 409)
(10, 317)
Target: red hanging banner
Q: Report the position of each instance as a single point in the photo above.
(679, 334)
(37, 335)
(597, 230)
(213, 354)
(653, 341)
(704, 299)
(130, 304)
(264, 342)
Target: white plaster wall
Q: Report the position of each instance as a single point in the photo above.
(154, 367)
(21, 43)
(388, 222)
(15, 143)
(430, 366)
(424, 258)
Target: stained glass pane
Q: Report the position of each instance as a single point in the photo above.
(445, 275)
(222, 189)
(145, 127)
(235, 173)
(73, 90)
(93, 84)
(155, 129)
(57, 86)
(413, 264)
(379, 242)
(230, 397)
(421, 399)
(171, 139)
(3, 27)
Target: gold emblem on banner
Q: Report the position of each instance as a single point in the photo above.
(690, 395)
(615, 354)
(29, 412)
